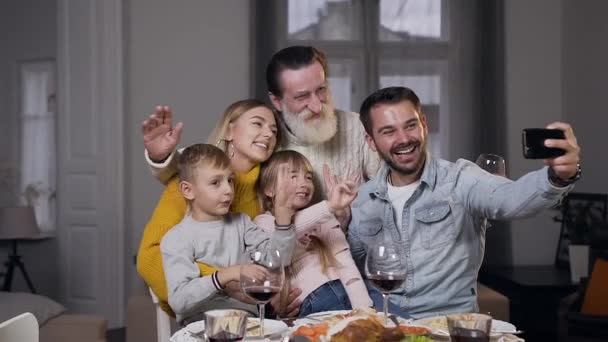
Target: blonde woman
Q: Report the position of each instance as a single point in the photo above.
(247, 132)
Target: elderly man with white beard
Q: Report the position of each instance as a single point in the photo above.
(296, 78)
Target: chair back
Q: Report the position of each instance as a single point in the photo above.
(163, 321)
(23, 328)
(582, 211)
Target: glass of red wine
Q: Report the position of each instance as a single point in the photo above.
(386, 269)
(262, 286)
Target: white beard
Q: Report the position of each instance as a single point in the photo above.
(315, 132)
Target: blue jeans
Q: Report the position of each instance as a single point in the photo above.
(329, 296)
(376, 297)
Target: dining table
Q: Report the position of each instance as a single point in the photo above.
(284, 330)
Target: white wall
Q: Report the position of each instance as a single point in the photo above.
(586, 87)
(27, 32)
(533, 76)
(556, 69)
(192, 55)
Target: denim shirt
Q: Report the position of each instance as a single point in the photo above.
(441, 237)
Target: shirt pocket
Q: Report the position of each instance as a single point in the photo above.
(369, 230)
(435, 224)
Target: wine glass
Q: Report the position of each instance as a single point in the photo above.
(495, 165)
(262, 286)
(492, 163)
(386, 269)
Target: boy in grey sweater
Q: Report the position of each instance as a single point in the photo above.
(209, 233)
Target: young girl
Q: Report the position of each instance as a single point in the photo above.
(322, 266)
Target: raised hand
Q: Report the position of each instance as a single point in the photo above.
(342, 195)
(331, 179)
(160, 137)
(285, 193)
(564, 166)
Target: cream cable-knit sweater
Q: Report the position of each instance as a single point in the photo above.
(347, 148)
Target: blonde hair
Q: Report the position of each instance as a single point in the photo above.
(268, 179)
(231, 114)
(270, 171)
(194, 156)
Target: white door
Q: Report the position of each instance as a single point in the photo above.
(90, 148)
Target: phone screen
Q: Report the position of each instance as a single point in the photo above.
(533, 143)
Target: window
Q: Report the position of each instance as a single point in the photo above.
(431, 46)
(38, 144)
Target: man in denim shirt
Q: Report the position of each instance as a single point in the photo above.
(431, 208)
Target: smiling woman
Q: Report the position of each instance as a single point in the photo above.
(247, 133)
(255, 125)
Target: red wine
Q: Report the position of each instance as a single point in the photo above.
(386, 283)
(469, 335)
(261, 294)
(224, 336)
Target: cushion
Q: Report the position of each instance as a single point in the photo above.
(15, 303)
(595, 300)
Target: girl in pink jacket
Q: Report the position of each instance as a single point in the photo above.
(322, 266)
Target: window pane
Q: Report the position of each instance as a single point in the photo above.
(38, 141)
(323, 20)
(404, 20)
(341, 83)
(425, 79)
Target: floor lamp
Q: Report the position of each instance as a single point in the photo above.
(17, 224)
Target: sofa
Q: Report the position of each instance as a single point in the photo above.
(56, 324)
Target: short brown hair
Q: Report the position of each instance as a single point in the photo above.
(195, 155)
(388, 95)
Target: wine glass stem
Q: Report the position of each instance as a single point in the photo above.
(261, 310)
(385, 307)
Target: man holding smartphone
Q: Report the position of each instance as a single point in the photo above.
(430, 208)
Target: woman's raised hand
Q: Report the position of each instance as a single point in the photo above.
(160, 137)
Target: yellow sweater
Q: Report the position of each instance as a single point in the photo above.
(169, 211)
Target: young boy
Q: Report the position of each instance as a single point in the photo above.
(209, 233)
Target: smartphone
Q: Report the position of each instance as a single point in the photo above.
(533, 143)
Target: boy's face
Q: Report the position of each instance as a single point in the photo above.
(210, 192)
